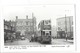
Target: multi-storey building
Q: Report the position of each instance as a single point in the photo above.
(8, 29)
(26, 26)
(8, 26)
(65, 26)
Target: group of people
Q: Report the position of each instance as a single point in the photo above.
(9, 36)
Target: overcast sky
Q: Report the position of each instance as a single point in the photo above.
(41, 12)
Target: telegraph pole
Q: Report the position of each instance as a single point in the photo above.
(66, 27)
(33, 22)
(70, 25)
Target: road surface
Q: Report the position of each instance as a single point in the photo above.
(26, 42)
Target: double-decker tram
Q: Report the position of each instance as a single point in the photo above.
(44, 31)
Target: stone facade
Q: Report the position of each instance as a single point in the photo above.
(26, 26)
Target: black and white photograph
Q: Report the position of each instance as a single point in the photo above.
(38, 25)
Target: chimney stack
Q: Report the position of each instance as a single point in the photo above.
(26, 16)
(16, 17)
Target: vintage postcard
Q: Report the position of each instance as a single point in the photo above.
(38, 28)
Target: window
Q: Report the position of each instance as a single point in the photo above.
(43, 33)
(26, 23)
(47, 34)
(5, 27)
(26, 29)
(31, 23)
(47, 22)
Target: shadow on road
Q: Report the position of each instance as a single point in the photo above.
(47, 43)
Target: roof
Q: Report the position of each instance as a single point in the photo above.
(64, 17)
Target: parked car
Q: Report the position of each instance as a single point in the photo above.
(22, 38)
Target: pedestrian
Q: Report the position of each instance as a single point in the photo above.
(12, 37)
(32, 38)
(5, 37)
(66, 36)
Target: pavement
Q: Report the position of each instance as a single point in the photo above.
(62, 41)
(27, 42)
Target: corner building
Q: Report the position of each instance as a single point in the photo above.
(26, 26)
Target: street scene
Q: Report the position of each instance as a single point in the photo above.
(39, 25)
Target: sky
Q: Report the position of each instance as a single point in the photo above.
(41, 12)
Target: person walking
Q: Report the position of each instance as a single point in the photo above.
(32, 38)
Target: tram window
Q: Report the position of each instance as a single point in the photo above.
(43, 33)
(47, 33)
(50, 32)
